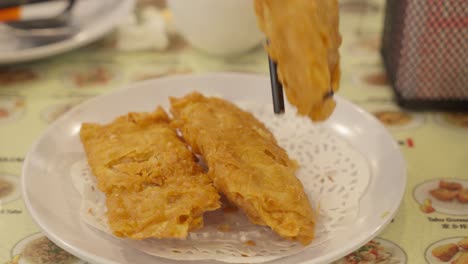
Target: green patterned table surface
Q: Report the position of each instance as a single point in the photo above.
(435, 145)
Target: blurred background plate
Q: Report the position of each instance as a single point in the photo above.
(93, 19)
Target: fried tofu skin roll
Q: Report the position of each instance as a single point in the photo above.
(153, 186)
(303, 38)
(246, 164)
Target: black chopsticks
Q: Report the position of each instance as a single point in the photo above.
(276, 88)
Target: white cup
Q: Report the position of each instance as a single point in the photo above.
(217, 27)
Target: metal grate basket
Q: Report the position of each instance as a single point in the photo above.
(425, 51)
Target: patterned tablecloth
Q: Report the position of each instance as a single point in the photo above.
(435, 145)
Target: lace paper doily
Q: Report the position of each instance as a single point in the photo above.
(334, 176)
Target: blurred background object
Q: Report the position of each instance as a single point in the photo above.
(225, 28)
(425, 51)
(15, 10)
(145, 30)
(43, 21)
(88, 21)
(361, 8)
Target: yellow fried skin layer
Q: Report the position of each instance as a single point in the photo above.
(246, 164)
(153, 186)
(304, 40)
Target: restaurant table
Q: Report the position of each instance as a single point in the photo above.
(434, 145)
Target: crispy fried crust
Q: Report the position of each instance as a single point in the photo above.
(153, 186)
(246, 164)
(304, 40)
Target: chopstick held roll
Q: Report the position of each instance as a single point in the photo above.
(304, 40)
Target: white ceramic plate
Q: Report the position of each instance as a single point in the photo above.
(93, 19)
(421, 193)
(54, 203)
(433, 260)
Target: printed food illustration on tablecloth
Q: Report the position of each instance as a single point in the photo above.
(375, 78)
(162, 73)
(393, 117)
(15, 75)
(358, 7)
(451, 250)
(11, 107)
(448, 196)
(90, 76)
(38, 249)
(376, 251)
(9, 188)
(372, 76)
(453, 120)
(369, 45)
(53, 112)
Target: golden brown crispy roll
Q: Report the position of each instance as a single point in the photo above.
(153, 186)
(304, 40)
(246, 164)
